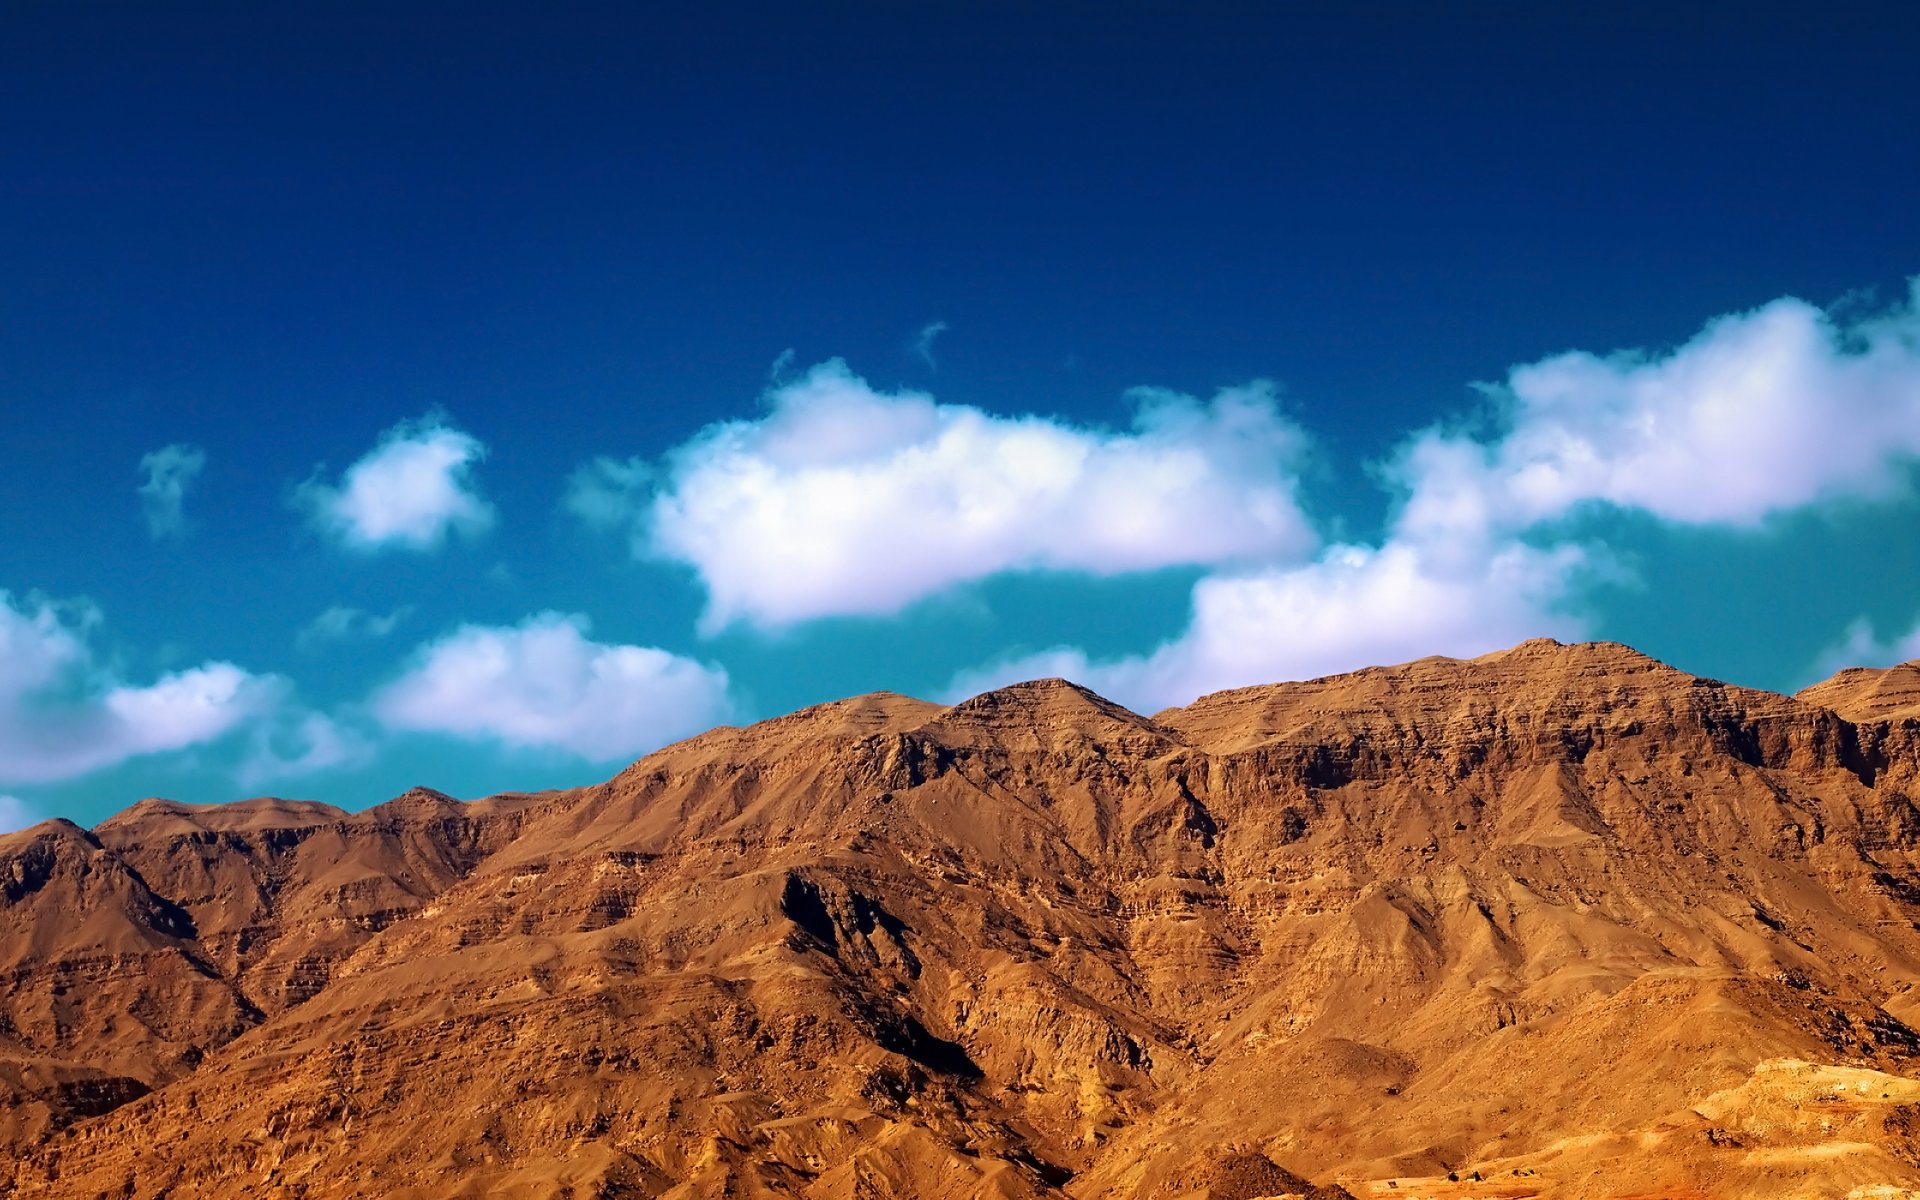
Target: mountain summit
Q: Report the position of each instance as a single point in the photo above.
(1559, 921)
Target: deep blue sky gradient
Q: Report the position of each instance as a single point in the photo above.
(276, 230)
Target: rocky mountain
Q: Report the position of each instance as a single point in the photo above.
(1561, 921)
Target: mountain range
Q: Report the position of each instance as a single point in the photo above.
(1559, 921)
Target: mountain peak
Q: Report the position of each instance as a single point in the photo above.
(157, 817)
(53, 829)
(1049, 706)
(1870, 693)
(1546, 649)
(1557, 682)
(1035, 695)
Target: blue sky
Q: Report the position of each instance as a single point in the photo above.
(481, 395)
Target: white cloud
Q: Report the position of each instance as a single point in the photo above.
(1859, 646)
(302, 743)
(16, 813)
(38, 641)
(343, 622)
(544, 683)
(184, 708)
(1760, 413)
(844, 500)
(1352, 607)
(170, 471)
(63, 715)
(409, 491)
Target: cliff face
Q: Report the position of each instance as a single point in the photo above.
(1562, 916)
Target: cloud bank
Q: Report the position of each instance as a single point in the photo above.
(409, 492)
(544, 684)
(1354, 606)
(1760, 414)
(170, 471)
(847, 501)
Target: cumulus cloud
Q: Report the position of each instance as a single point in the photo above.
(16, 813)
(170, 471)
(844, 500)
(1353, 606)
(1761, 413)
(413, 488)
(344, 623)
(62, 714)
(544, 683)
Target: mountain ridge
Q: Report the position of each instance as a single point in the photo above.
(1523, 911)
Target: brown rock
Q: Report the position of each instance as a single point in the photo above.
(1869, 695)
(1562, 917)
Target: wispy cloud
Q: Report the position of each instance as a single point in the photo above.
(413, 488)
(923, 344)
(16, 813)
(64, 714)
(1860, 646)
(610, 491)
(170, 471)
(344, 623)
(300, 743)
(782, 366)
(845, 500)
(545, 684)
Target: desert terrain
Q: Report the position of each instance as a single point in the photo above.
(1561, 921)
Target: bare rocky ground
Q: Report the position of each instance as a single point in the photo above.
(1557, 922)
